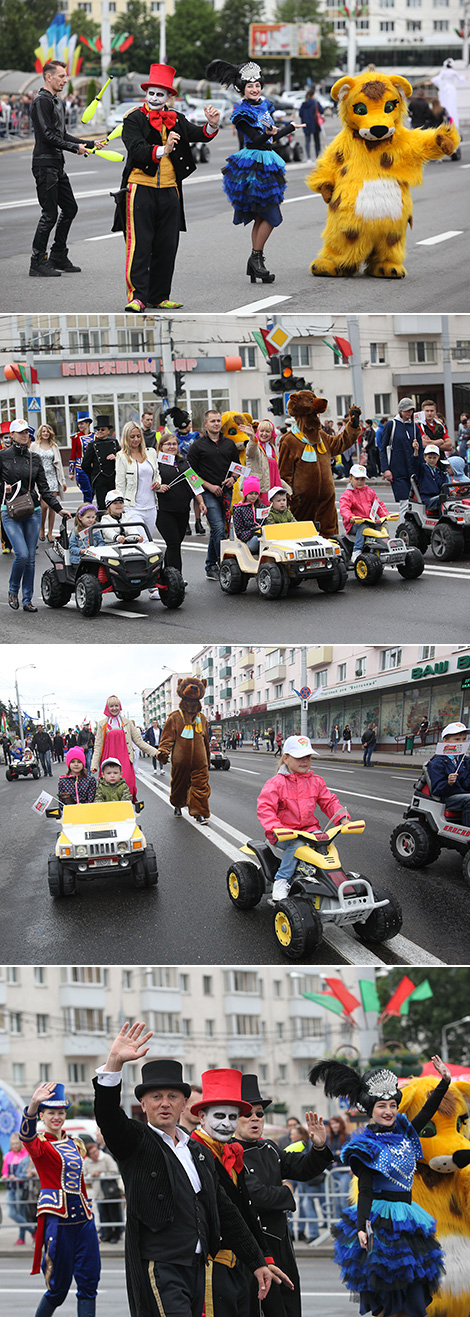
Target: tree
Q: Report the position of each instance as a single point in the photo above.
(21, 26)
(233, 22)
(84, 26)
(191, 37)
(145, 29)
(423, 1025)
(308, 11)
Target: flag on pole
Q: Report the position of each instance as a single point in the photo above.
(347, 998)
(421, 993)
(369, 995)
(325, 999)
(193, 480)
(404, 990)
(3, 725)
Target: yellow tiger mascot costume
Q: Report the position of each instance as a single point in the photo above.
(366, 174)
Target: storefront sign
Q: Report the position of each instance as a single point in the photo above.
(118, 366)
(431, 670)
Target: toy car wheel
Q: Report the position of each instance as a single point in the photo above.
(297, 928)
(412, 535)
(231, 578)
(226, 765)
(466, 867)
(271, 581)
(35, 772)
(69, 884)
(88, 595)
(410, 843)
(55, 876)
(139, 874)
(335, 580)
(447, 542)
(9, 775)
(383, 923)
(244, 884)
(413, 565)
(54, 594)
(151, 867)
(171, 587)
(368, 569)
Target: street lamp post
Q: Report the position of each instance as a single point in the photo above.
(43, 698)
(453, 1025)
(20, 715)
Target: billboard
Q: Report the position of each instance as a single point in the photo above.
(285, 40)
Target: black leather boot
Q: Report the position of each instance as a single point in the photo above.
(199, 527)
(257, 270)
(41, 268)
(60, 261)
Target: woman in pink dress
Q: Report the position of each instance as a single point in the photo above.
(115, 737)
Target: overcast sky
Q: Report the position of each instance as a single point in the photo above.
(82, 676)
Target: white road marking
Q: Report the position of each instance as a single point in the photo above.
(251, 771)
(353, 952)
(250, 307)
(439, 237)
(81, 173)
(309, 196)
(332, 769)
(102, 236)
(385, 799)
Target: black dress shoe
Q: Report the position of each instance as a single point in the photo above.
(13, 601)
(177, 812)
(200, 819)
(199, 527)
(29, 608)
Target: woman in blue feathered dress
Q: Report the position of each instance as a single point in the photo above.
(254, 178)
(385, 1245)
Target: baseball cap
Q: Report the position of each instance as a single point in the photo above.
(432, 448)
(105, 763)
(276, 489)
(453, 728)
(16, 426)
(358, 471)
(298, 747)
(112, 497)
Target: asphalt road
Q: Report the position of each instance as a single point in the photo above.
(20, 1292)
(425, 609)
(210, 273)
(108, 921)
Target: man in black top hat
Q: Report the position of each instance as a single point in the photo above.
(267, 1170)
(166, 1249)
(99, 460)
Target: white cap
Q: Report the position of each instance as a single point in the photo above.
(107, 762)
(16, 426)
(276, 489)
(358, 471)
(298, 747)
(432, 448)
(112, 496)
(453, 728)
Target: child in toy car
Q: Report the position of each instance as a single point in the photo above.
(78, 787)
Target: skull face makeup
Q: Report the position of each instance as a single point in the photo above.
(220, 1121)
(156, 97)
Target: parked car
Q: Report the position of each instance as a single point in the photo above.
(118, 113)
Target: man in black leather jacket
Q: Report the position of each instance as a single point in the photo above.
(150, 202)
(53, 187)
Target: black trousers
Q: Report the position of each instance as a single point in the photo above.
(173, 1290)
(172, 526)
(152, 237)
(280, 1302)
(101, 487)
(56, 199)
(228, 1289)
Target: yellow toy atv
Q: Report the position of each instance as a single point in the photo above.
(289, 553)
(380, 551)
(321, 892)
(96, 839)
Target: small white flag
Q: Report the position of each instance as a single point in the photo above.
(42, 803)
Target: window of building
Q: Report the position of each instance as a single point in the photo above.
(413, 25)
(160, 976)
(279, 691)
(343, 403)
(12, 974)
(84, 6)
(266, 696)
(55, 416)
(274, 659)
(126, 979)
(81, 1019)
(209, 1028)
(253, 407)
(282, 1073)
(304, 983)
(360, 667)
(292, 686)
(245, 981)
(42, 1024)
(15, 1022)
(165, 1022)
(440, 4)
(277, 988)
(363, 24)
(420, 350)
(300, 353)
(248, 356)
(461, 352)
(321, 678)
(441, 25)
(207, 985)
(39, 976)
(17, 1069)
(279, 1030)
(292, 655)
(382, 404)
(76, 1071)
(200, 400)
(264, 1073)
(339, 25)
(378, 354)
(3, 1021)
(307, 1028)
(389, 658)
(184, 982)
(44, 1072)
(342, 671)
(85, 973)
(187, 1028)
(386, 4)
(426, 652)
(111, 6)
(94, 342)
(243, 1025)
(386, 26)
(127, 410)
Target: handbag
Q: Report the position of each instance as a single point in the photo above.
(20, 506)
(110, 1188)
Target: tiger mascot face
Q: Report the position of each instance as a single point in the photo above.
(372, 105)
(233, 427)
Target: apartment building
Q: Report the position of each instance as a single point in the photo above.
(395, 686)
(58, 1022)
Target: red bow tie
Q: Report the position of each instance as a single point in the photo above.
(159, 117)
(232, 1157)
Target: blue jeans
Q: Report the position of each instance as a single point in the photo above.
(253, 545)
(88, 758)
(359, 540)
(216, 519)
(15, 1212)
(46, 762)
(288, 863)
(368, 752)
(23, 537)
(460, 800)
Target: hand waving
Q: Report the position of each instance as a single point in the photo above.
(316, 1129)
(129, 1045)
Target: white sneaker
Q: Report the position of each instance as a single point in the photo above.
(356, 553)
(281, 889)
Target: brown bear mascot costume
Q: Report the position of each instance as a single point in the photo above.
(305, 459)
(185, 737)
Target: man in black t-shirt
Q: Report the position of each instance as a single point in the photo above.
(211, 456)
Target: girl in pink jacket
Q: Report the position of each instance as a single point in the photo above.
(288, 801)
(359, 500)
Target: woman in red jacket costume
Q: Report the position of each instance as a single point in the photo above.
(66, 1234)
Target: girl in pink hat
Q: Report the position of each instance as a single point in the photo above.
(246, 524)
(78, 787)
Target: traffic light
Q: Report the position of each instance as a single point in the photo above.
(276, 406)
(158, 385)
(179, 383)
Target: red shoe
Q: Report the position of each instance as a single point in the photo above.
(19, 1241)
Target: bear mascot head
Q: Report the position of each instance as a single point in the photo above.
(190, 691)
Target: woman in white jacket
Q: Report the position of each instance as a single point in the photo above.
(137, 474)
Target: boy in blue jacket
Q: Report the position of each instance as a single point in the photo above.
(450, 774)
(432, 479)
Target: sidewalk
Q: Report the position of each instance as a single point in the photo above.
(391, 758)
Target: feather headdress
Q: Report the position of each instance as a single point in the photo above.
(363, 1091)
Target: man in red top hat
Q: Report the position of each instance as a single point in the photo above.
(228, 1282)
(150, 203)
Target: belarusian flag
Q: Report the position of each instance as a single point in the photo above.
(369, 995)
(3, 724)
(325, 999)
(194, 480)
(421, 993)
(348, 1000)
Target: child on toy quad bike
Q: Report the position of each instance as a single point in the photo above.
(359, 500)
(287, 803)
(450, 774)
